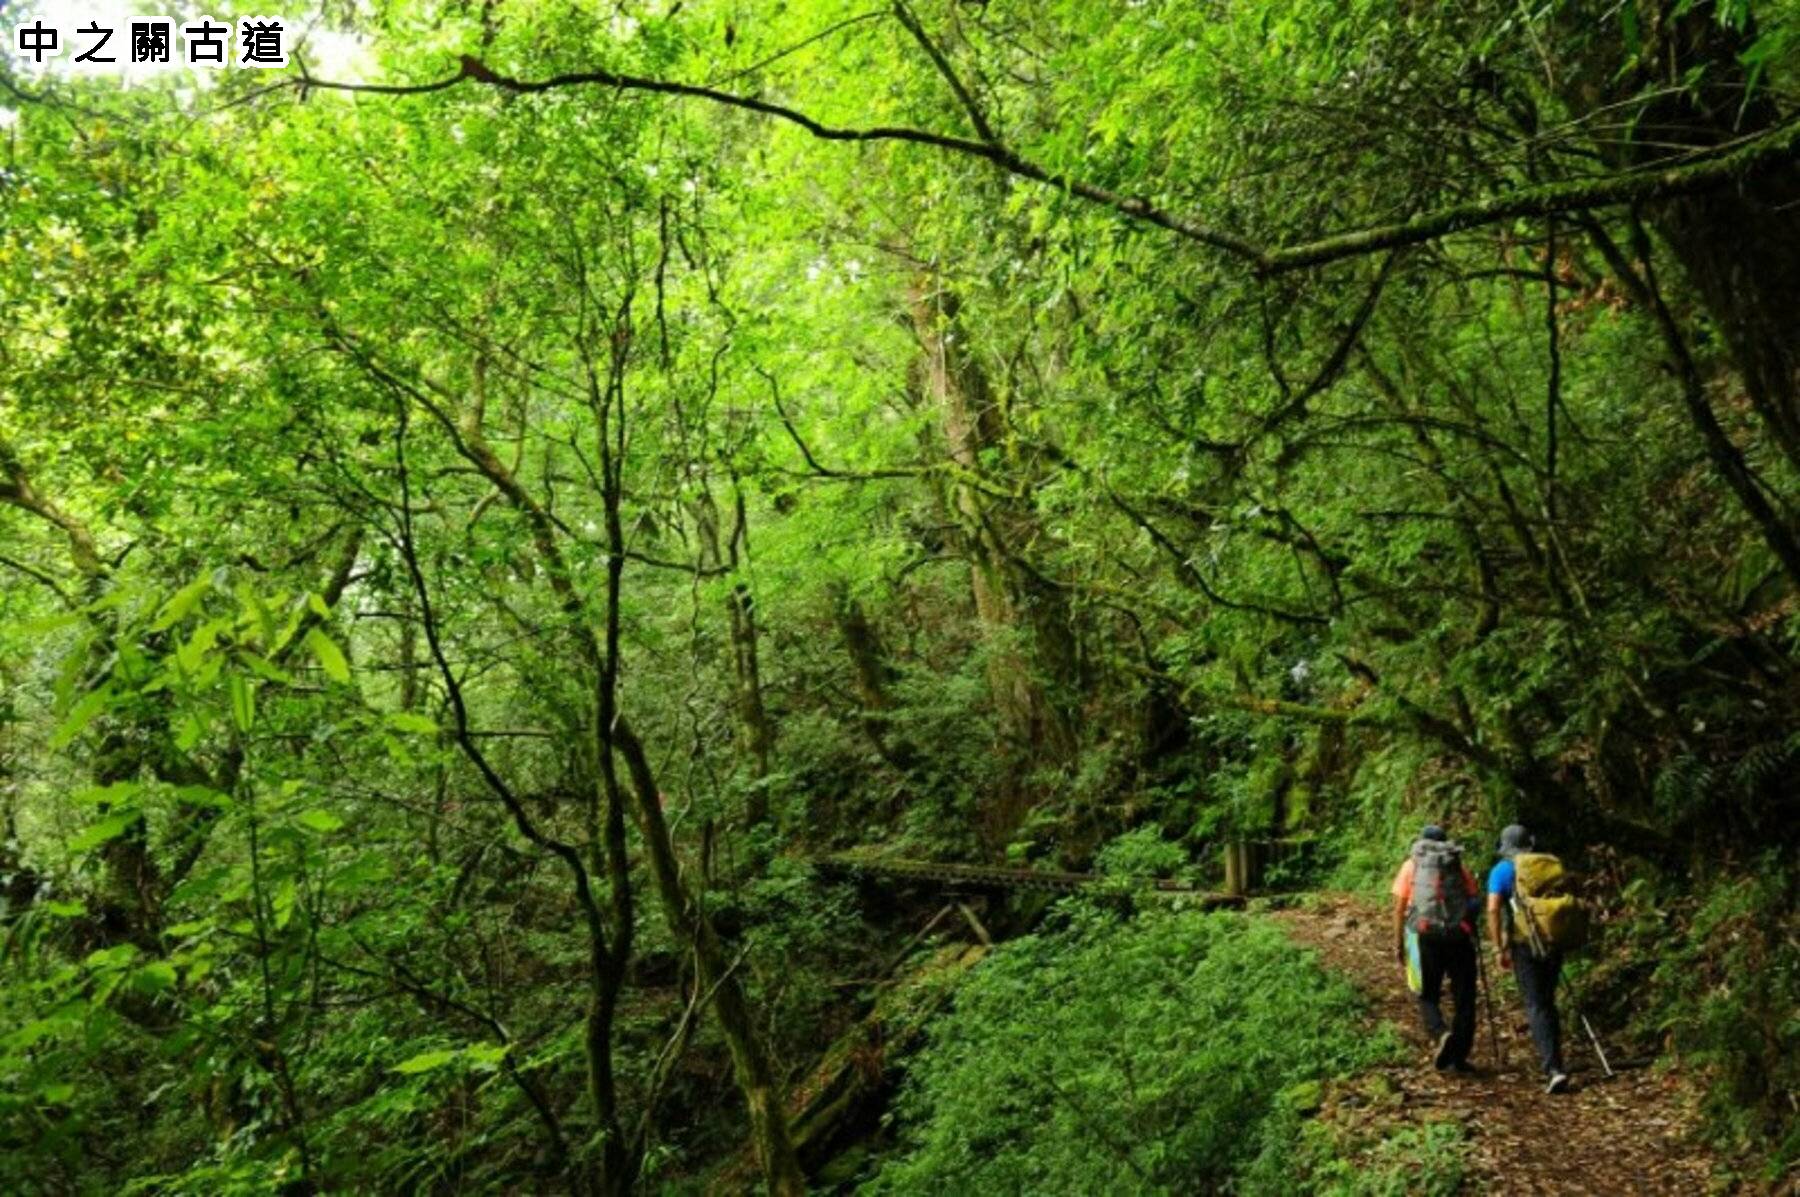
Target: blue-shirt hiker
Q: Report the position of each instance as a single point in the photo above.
(1537, 974)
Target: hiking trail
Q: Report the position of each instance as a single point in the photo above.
(1631, 1133)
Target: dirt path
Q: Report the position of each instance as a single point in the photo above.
(1631, 1133)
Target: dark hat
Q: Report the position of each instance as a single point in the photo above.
(1514, 840)
(1431, 831)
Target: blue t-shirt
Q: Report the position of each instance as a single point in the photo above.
(1501, 880)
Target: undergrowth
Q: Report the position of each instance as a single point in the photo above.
(1303, 1155)
(1112, 1054)
(1718, 967)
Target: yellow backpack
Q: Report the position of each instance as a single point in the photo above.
(1550, 917)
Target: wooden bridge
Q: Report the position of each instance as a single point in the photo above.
(824, 1106)
(995, 878)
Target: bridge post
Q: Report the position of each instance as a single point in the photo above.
(1240, 867)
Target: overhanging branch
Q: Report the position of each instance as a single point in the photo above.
(1705, 171)
(474, 69)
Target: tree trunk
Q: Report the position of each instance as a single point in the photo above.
(686, 916)
(687, 919)
(870, 670)
(755, 730)
(1025, 617)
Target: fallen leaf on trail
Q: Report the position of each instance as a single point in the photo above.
(1632, 1133)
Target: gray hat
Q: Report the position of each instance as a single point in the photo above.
(1514, 840)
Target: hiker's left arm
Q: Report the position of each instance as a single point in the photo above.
(1400, 926)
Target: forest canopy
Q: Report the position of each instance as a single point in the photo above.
(491, 508)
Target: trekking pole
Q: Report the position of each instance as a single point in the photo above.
(1487, 999)
(1595, 1039)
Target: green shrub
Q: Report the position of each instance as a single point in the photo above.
(1136, 1056)
(1141, 853)
(1316, 1157)
(1723, 994)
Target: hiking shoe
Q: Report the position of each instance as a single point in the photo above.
(1441, 1057)
(1559, 1083)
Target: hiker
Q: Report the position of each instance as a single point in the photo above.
(1537, 971)
(1435, 899)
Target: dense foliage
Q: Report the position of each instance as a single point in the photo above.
(481, 509)
(1136, 1058)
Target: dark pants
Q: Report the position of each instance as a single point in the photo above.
(1537, 984)
(1455, 958)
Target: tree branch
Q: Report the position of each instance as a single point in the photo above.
(963, 96)
(1705, 171)
(1184, 569)
(33, 572)
(16, 490)
(475, 69)
(812, 462)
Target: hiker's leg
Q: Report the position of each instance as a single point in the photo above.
(1462, 988)
(1431, 987)
(1552, 966)
(1537, 987)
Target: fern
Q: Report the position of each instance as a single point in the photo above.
(1686, 783)
(1763, 763)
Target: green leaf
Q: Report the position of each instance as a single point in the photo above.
(29, 1033)
(192, 653)
(79, 716)
(255, 612)
(396, 750)
(290, 626)
(188, 731)
(243, 701)
(112, 794)
(319, 820)
(371, 868)
(407, 721)
(154, 977)
(107, 829)
(64, 910)
(48, 624)
(317, 603)
(282, 903)
(426, 1061)
(112, 957)
(264, 668)
(181, 603)
(486, 1055)
(202, 796)
(330, 656)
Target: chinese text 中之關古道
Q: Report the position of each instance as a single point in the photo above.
(201, 42)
